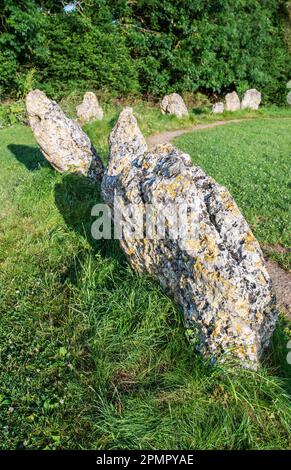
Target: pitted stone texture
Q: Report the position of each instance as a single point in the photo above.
(89, 110)
(174, 104)
(218, 108)
(251, 99)
(232, 102)
(62, 141)
(216, 273)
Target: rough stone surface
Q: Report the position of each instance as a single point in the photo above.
(216, 273)
(251, 99)
(218, 108)
(62, 141)
(89, 109)
(232, 101)
(289, 98)
(288, 86)
(174, 104)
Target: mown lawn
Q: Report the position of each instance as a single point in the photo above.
(95, 357)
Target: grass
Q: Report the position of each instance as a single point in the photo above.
(93, 356)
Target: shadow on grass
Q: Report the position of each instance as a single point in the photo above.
(75, 197)
(29, 156)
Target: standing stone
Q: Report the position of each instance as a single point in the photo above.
(232, 102)
(218, 108)
(289, 98)
(288, 86)
(174, 104)
(251, 99)
(216, 272)
(89, 109)
(62, 141)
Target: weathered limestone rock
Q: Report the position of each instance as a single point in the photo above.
(89, 109)
(216, 272)
(289, 98)
(232, 102)
(251, 99)
(174, 104)
(288, 86)
(218, 108)
(62, 141)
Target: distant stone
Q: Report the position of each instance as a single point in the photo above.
(232, 102)
(62, 141)
(288, 86)
(174, 104)
(215, 270)
(251, 99)
(218, 108)
(289, 98)
(89, 110)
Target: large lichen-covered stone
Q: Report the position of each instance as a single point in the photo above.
(62, 141)
(251, 99)
(89, 110)
(216, 273)
(232, 101)
(174, 104)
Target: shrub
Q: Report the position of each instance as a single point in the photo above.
(12, 113)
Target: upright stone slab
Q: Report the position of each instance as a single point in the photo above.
(62, 141)
(174, 104)
(288, 99)
(251, 99)
(216, 272)
(218, 108)
(89, 110)
(232, 102)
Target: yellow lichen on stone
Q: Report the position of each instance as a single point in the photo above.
(250, 241)
(192, 245)
(232, 207)
(210, 246)
(198, 267)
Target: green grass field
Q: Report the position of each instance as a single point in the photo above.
(95, 357)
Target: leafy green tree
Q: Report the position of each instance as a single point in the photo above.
(148, 46)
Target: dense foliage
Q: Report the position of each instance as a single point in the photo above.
(144, 46)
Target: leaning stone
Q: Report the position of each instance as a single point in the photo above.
(232, 102)
(218, 108)
(215, 270)
(174, 104)
(289, 98)
(62, 141)
(89, 110)
(251, 99)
